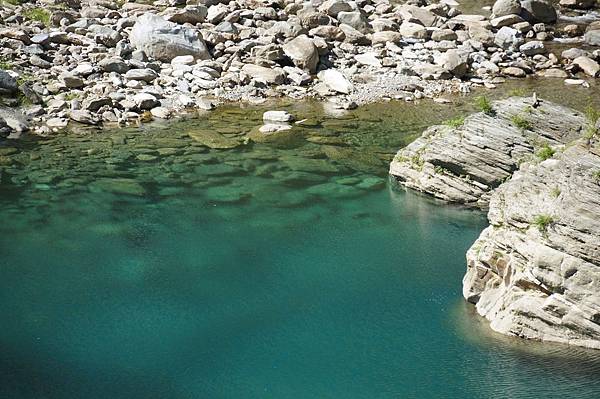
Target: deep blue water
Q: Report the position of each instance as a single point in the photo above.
(138, 264)
(359, 299)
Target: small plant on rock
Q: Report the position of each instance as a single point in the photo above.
(546, 152)
(596, 176)
(520, 122)
(484, 105)
(542, 222)
(455, 122)
(592, 115)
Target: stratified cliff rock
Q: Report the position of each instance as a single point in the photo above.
(463, 164)
(535, 271)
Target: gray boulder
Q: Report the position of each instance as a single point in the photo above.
(303, 53)
(8, 84)
(508, 38)
(538, 11)
(164, 40)
(592, 37)
(506, 7)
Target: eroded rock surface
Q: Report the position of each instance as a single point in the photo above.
(535, 272)
(463, 163)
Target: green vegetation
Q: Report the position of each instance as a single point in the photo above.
(71, 96)
(546, 152)
(455, 122)
(555, 192)
(542, 222)
(596, 176)
(5, 65)
(38, 14)
(520, 122)
(438, 169)
(592, 115)
(484, 105)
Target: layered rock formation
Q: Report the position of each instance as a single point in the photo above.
(535, 272)
(464, 161)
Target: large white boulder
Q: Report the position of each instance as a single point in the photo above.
(164, 40)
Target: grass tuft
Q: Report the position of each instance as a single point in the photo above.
(484, 105)
(38, 14)
(455, 122)
(542, 222)
(521, 122)
(546, 152)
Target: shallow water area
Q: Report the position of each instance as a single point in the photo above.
(142, 263)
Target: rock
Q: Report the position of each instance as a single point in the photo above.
(413, 30)
(538, 11)
(212, 139)
(369, 58)
(145, 101)
(8, 83)
(269, 128)
(264, 74)
(355, 19)
(572, 53)
(481, 34)
(532, 48)
(506, 7)
(334, 7)
(578, 4)
(443, 34)
(161, 112)
(278, 116)
(71, 81)
(113, 64)
(164, 40)
(464, 164)
(303, 53)
(534, 272)
(515, 72)
(454, 62)
(57, 123)
(592, 37)
(507, 20)
(385, 37)
(336, 81)
(83, 116)
(587, 65)
(146, 74)
(508, 38)
(93, 104)
(193, 14)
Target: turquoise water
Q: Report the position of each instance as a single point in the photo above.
(273, 270)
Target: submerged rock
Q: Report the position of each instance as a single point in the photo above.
(213, 139)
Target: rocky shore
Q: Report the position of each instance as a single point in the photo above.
(464, 160)
(103, 62)
(535, 271)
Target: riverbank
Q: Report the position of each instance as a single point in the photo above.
(536, 166)
(106, 63)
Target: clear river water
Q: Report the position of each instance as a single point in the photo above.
(139, 263)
